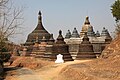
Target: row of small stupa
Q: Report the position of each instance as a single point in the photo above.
(40, 43)
(88, 28)
(90, 33)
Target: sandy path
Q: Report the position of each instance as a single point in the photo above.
(45, 73)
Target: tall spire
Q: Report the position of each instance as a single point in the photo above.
(39, 17)
(87, 20)
(40, 25)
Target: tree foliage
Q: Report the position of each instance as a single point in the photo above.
(116, 10)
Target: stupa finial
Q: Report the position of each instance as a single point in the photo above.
(39, 13)
(39, 17)
(87, 20)
(60, 32)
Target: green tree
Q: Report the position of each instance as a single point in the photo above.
(115, 8)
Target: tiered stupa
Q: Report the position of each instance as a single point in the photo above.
(85, 49)
(90, 32)
(68, 34)
(39, 32)
(97, 34)
(75, 34)
(60, 47)
(85, 27)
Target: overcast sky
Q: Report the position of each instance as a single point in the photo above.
(65, 14)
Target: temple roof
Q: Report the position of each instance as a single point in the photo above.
(75, 34)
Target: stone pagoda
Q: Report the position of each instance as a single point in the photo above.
(39, 32)
(85, 27)
(60, 47)
(75, 34)
(85, 49)
(98, 41)
(68, 34)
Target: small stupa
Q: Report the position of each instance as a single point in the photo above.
(60, 47)
(105, 34)
(90, 32)
(75, 34)
(85, 27)
(51, 40)
(97, 34)
(68, 35)
(85, 49)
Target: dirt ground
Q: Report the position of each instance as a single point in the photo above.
(50, 72)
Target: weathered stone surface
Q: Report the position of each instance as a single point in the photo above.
(39, 49)
(51, 40)
(68, 35)
(97, 34)
(90, 32)
(60, 47)
(39, 32)
(85, 49)
(75, 34)
(85, 27)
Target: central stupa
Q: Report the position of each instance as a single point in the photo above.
(38, 32)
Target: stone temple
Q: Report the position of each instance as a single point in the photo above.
(86, 44)
(97, 40)
(38, 32)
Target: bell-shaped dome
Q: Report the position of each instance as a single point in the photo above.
(39, 31)
(60, 39)
(105, 32)
(85, 27)
(90, 32)
(75, 34)
(97, 34)
(68, 35)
